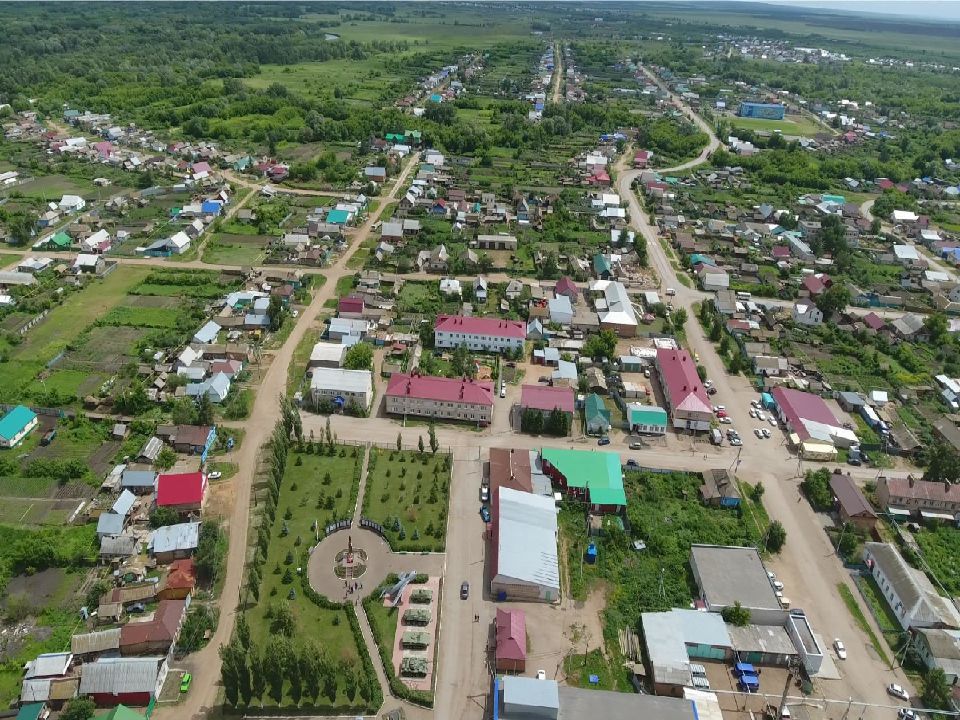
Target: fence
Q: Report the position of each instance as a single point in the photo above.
(30, 324)
(337, 526)
(50, 412)
(372, 525)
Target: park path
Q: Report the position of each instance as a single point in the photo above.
(203, 698)
(362, 489)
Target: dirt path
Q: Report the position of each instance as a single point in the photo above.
(203, 696)
(557, 92)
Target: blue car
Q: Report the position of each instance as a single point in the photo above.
(603, 441)
(485, 513)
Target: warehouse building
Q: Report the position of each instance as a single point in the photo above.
(523, 534)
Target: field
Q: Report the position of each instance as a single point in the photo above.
(941, 550)
(791, 125)
(308, 496)
(52, 187)
(243, 250)
(407, 492)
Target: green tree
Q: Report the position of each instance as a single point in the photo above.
(79, 708)
(183, 411)
(163, 516)
(776, 536)
(461, 363)
(211, 551)
(736, 614)
(943, 463)
(258, 678)
(936, 690)
(243, 631)
(420, 444)
(936, 326)
(166, 458)
(531, 421)
(276, 312)
(816, 486)
(834, 300)
(601, 345)
(359, 357)
(282, 621)
(432, 434)
(679, 318)
(399, 442)
(20, 226)
(205, 411)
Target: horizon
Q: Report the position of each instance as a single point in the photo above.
(929, 10)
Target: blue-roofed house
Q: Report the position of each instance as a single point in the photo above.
(211, 207)
(207, 334)
(110, 524)
(216, 388)
(139, 481)
(338, 217)
(16, 425)
(254, 321)
(698, 258)
(602, 267)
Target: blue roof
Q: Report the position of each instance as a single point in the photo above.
(211, 206)
(208, 333)
(13, 423)
(110, 524)
(697, 258)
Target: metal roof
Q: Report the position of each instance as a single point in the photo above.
(112, 676)
(15, 421)
(727, 574)
(95, 642)
(124, 503)
(183, 536)
(526, 694)
(354, 381)
(589, 703)
(110, 524)
(49, 665)
(527, 538)
(138, 478)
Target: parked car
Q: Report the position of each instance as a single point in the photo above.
(484, 493)
(761, 416)
(485, 513)
(632, 465)
(636, 446)
(777, 584)
(185, 681)
(897, 691)
(721, 414)
(215, 475)
(736, 442)
(773, 421)
(907, 714)
(772, 575)
(840, 649)
(541, 674)
(765, 433)
(753, 413)
(48, 436)
(756, 431)
(464, 590)
(603, 440)
(137, 607)
(710, 390)
(726, 420)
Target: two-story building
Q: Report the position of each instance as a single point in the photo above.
(683, 390)
(923, 499)
(440, 398)
(486, 334)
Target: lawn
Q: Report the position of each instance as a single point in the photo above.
(315, 489)
(406, 493)
(610, 675)
(851, 602)
(664, 511)
(8, 259)
(301, 356)
(791, 125)
(242, 250)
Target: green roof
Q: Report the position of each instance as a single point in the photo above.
(30, 711)
(601, 263)
(338, 217)
(646, 415)
(595, 406)
(122, 712)
(60, 239)
(15, 421)
(598, 472)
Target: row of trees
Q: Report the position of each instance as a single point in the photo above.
(556, 422)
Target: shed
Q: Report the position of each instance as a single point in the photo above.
(511, 638)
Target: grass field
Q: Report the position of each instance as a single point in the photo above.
(791, 125)
(61, 327)
(409, 489)
(306, 497)
(52, 187)
(240, 250)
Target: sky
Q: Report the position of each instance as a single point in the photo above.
(926, 9)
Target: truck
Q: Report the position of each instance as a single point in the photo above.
(716, 437)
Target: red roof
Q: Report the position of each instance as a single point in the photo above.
(925, 490)
(200, 167)
(780, 251)
(678, 372)
(183, 574)
(163, 628)
(350, 304)
(884, 184)
(181, 489)
(543, 397)
(566, 286)
(813, 284)
(642, 155)
(428, 387)
(798, 406)
(490, 326)
(873, 321)
(511, 635)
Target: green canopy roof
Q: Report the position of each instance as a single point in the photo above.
(122, 712)
(598, 472)
(60, 239)
(31, 711)
(595, 407)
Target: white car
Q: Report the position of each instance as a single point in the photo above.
(736, 442)
(772, 575)
(753, 413)
(541, 674)
(773, 421)
(726, 420)
(897, 692)
(718, 408)
(840, 649)
(754, 404)
(215, 475)
(756, 431)
(765, 433)
(760, 415)
(777, 584)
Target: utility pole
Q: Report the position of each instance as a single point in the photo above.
(791, 673)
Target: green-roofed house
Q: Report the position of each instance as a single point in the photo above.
(121, 712)
(58, 241)
(595, 414)
(602, 267)
(587, 476)
(31, 711)
(647, 419)
(16, 425)
(338, 217)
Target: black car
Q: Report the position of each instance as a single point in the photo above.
(464, 590)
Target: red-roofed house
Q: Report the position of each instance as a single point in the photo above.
(544, 399)
(810, 418)
(642, 158)
(566, 286)
(874, 321)
(511, 650)
(885, 184)
(683, 390)
(183, 492)
(599, 178)
(155, 636)
(816, 284)
(489, 334)
(780, 252)
(918, 497)
(180, 581)
(350, 306)
(439, 397)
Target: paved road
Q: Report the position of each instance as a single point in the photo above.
(264, 415)
(808, 568)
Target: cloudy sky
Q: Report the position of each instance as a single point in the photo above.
(927, 9)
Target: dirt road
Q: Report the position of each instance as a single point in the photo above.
(558, 85)
(264, 415)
